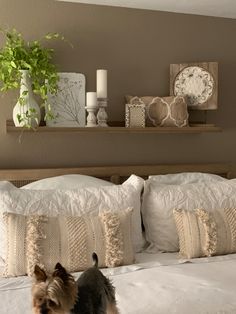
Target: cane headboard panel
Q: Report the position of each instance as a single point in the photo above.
(115, 174)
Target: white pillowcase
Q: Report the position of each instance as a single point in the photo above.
(160, 200)
(75, 202)
(185, 178)
(4, 186)
(71, 181)
(68, 181)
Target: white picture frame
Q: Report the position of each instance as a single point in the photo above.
(135, 115)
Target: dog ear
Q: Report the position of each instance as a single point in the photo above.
(39, 274)
(59, 267)
(61, 272)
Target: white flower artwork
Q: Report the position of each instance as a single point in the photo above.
(196, 83)
(68, 105)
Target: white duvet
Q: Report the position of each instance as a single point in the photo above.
(156, 284)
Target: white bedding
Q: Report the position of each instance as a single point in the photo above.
(156, 284)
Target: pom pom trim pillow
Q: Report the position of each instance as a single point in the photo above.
(45, 241)
(206, 234)
(75, 202)
(159, 201)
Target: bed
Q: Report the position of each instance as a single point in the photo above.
(155, 283)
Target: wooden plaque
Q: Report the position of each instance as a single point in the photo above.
(198, 82)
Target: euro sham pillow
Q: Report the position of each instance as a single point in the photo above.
(185, 178)
(206, 234)
(160, 200)
(66, 182)
(75, 202)
(69, 240)
(163, 111)
(4, 186)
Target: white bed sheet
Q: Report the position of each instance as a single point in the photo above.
(156, 284)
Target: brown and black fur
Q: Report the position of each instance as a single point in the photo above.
(92, 293)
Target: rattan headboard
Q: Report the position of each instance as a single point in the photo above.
(115, 174)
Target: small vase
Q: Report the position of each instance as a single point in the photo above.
(28, 110)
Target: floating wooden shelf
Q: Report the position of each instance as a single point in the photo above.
(194, 128)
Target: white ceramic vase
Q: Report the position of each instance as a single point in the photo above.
(29, 110)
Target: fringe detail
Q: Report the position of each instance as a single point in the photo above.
(209, 225)
(113, 239)
(34, 236)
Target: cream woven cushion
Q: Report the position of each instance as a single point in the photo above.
(69, 240)
(159, 200)
(205, 234)
(75, 202)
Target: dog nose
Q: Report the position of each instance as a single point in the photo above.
(43, 309)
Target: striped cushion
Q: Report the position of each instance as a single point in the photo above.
(69, 240)
(203, 233)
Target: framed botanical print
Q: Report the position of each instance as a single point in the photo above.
(68, 105)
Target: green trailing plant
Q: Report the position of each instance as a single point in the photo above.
(18, 54)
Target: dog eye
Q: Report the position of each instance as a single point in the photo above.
(51, 303)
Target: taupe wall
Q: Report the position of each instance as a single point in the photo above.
(136, 47)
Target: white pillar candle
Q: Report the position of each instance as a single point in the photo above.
(102, 83)
(91, 99)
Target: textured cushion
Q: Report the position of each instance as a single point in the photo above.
(163, 111)
(66, 182)
(205, 234)
(159, 201)
(45, 241)
(75, 202)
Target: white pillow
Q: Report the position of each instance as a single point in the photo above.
(75, 202)
(185, 178)
(160, 200)
(66, 182)
(5, 186)
(72, 181)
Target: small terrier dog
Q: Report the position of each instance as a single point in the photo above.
(92, 293)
